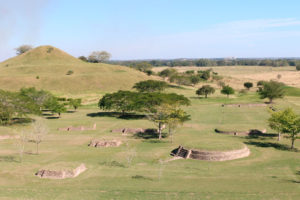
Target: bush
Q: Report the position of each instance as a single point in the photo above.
(298, 67)
(70, 72)
(248, 85)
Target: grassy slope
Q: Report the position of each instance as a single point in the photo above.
(269, 172)
(52, 67)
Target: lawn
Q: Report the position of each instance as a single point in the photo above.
(136, 169)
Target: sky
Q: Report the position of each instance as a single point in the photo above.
(154, 29)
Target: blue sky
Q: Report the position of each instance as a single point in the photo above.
(146, 29)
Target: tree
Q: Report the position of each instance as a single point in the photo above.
(275, 122)
(75, 103)
(99, 56)
(286, 121)
(271, 90)
(298, 67)
(22, 49)
(195, 79)
(175, 118)
(167, 73)
(205, 90)
(83, 58)
(248, 85)
(39, 130)
(124, 101)
(150, 86)
(54, 106)
(227, 90)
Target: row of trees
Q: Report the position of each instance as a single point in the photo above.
(213, 62)
(161, 108)
(96, 57)
(31, 101)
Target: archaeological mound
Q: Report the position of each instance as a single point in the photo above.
(61, 174)
(105, 143)
(210, 155)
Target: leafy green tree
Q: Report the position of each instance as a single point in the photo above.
(39, 97)
(83, 58)
(167, 73)
(227, 90)
(75, 103)
(195, 79)
(205, 90)
(150, 86)
(54, 106)
(271, 90)
(142, 66)
(275, 122)
(248, 85)
(124, 101)
(286, 121)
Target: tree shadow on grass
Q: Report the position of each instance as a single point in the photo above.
(52, 117)
(176, 87)
(8, 159)
(127, 116)
(148, 134)
(278, 146)
(261, 136)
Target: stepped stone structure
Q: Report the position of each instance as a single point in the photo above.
(211, 155)
(52, 174)
(80, 128)
(105, 143)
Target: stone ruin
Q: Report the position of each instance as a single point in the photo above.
(245, 105)
(105, 143)
(210, 155)
(79, 128)
(6, 137)
(125, 131)
(242, 133)
(52, 174)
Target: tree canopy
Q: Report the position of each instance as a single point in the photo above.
(271, 90)
(150, 86)
(99, 56)
(248, 85)
(227, 90)
(205, 90)
(22, 49)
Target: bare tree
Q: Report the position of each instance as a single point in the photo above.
(99, 56)
(22, 49)
(39, 130)
(21, 141)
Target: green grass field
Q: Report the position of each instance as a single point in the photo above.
(135, 171)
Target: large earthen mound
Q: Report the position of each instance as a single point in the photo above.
(211, 155)
(52, 174)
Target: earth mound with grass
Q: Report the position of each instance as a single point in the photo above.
(49, 68)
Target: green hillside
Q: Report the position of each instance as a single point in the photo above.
(46, 67)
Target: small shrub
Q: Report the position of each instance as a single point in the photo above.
(139, 177)
(70, 72)
(49, 50)
(37, 77)
(149, 72)
(298, 67)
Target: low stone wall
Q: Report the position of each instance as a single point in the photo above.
(124, 131)
(5, 137)
(79, 128)
(245, 105)
(242, 133)
(105, 143)
(52, 174)
(211, 155)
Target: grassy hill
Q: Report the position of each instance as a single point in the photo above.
(46, 67)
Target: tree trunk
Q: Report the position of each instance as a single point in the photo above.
(278, 139)
(271, 100)
(159, 130)
(293, 141)
(205, 95)
(227, 95)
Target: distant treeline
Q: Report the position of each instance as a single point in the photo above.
(212, 62)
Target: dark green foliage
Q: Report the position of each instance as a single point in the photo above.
(272, 90)
(298, 67)
(204, 74)
(55, 106)
(75, 103)
(149, 72)
(127, 101)
(190, 72)
(167, 73)
(70, 72)
(83, 58)
(150, 86)
(205, 90)
(195, 79)
(227, 90)
(37, 77)
(248, 85)
(141, 66)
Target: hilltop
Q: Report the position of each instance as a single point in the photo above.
(46, 67)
